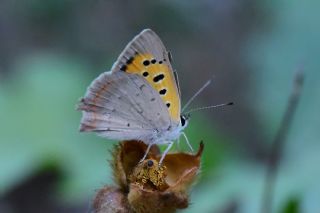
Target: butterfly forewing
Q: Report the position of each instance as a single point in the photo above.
(146, 56)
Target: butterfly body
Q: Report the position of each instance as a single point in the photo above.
(138, 99)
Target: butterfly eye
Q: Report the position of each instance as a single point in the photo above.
(183, 120)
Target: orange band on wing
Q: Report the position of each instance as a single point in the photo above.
(159, 76)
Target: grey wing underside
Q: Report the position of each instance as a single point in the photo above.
(123, 106)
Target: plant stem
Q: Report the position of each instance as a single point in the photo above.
(279, 142)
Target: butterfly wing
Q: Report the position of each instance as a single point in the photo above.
(123, 106)
(146, 56)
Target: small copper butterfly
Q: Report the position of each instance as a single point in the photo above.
(138, 99)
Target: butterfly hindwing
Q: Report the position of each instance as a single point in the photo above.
(121, 106)
(146, 56)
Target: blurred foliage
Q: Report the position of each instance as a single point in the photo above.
(292, 206)
(42, 125)
(51, 50)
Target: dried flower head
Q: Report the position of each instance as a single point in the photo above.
(146, 187)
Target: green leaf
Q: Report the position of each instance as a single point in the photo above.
(292, 206)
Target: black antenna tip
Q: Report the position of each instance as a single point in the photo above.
(230, 103)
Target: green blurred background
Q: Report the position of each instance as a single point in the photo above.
(51, 50)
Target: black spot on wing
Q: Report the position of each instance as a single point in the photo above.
(141, 87)
(163, 92)
(170, 57)
(130, 60)
(123, 68)
(158, 78)
(146, 62)
(145, 74)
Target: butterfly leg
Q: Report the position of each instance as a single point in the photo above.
(185, 136)
(147, 151)
(165, 152)
(178, 143)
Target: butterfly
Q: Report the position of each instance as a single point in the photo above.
(138, 99)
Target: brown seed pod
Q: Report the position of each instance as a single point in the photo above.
(111, 199)
(146, 187)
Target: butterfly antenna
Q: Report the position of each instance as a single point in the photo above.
(208, 107)
(196, 94)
